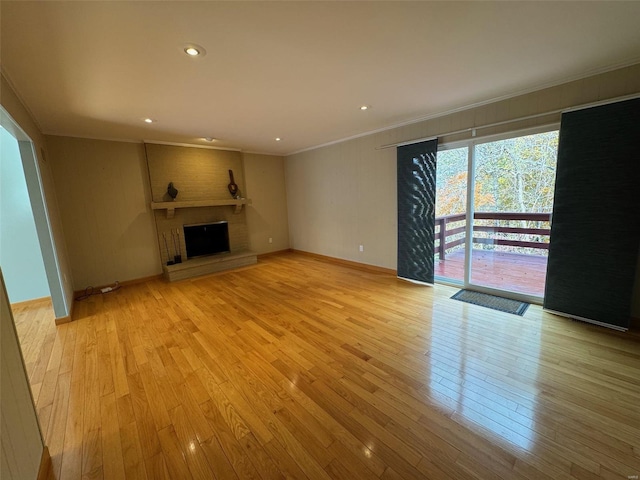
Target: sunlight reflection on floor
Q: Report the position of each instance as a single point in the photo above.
(468, 370)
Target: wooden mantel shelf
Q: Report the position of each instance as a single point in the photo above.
(170, 207)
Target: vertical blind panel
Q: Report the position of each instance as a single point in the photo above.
(595, 231)
(416, 210)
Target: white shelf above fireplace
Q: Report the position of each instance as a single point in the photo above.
(170, 207)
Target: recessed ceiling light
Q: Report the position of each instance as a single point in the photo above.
(209, 139)
(365, 107)
(149, 120)
(278, 139)
(194, 50)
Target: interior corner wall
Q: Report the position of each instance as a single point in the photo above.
(267, 215)
(344, 195)
(14, 107)
(105, 204)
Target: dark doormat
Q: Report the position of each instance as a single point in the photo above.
(491, 301)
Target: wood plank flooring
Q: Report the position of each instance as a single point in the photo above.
(295, 368)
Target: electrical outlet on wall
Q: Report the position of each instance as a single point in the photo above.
(362, 248)
(270, 240)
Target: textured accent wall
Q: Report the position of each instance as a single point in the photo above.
(198, 174)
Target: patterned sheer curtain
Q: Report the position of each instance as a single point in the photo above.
(416, 210)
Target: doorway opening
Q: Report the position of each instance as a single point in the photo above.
(494, 200)
(27, 251)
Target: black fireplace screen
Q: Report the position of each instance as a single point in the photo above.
(206, 239)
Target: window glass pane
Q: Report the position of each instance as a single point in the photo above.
(513, 199)
(516, 174)
(451, 208)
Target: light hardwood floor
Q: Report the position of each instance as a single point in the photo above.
(295, 368)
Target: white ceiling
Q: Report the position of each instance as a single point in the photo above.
(296, 70)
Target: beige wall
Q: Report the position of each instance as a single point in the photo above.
(104, 197)
(267, 215)
(14, 107)
(21, 441)
(344, 195)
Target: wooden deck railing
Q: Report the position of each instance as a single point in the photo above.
(444, 232)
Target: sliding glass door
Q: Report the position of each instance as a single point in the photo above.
(498, 239)
(451, 214)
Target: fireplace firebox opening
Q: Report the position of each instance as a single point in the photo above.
(205, 239)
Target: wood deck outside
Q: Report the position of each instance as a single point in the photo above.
(296, 368)
(505, 271)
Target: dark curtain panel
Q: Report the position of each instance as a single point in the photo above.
(595, 232)
(416, 210)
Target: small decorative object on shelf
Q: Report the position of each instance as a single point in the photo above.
(172, 191)
(233, 188)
